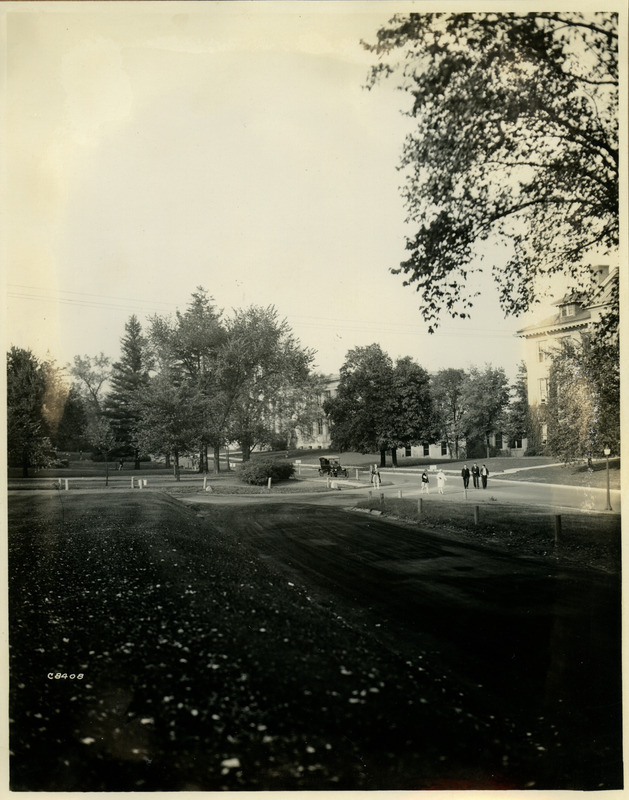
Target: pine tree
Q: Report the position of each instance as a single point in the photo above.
(129, 377)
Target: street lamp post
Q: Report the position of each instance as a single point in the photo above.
(608, 507)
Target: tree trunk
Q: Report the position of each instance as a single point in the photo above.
(394, 456)
(217, 459)
(24, 464)
(167, 460)
(246, 451)
(176, 470)
(136, 459)
(383, 457)
(106, 471)
(202, 465)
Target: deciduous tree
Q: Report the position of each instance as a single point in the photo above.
(359, 412)
(448, 393)
(515, 139)
(91, 374)
(410, 412)
(266, 375)
(171, 417)
(583, 408)
(28, 442)
(486, 399)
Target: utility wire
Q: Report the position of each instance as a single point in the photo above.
(83, 299)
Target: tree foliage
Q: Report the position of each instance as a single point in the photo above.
(129, 377)
(71, 431)
(583, 408)
(359, 412)
(171, 417)
(448, 392)
(246, 377)
(28, 431)
(379, 405)
(519, 422)
(516, 137)
(91, 374)
(486, 399)
(267, 373)
(189, 350)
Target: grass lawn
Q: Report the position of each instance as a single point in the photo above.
(537, 469)
(588, 538)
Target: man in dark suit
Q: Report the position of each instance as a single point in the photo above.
(484, 474)
(476, 476)
(465, 474)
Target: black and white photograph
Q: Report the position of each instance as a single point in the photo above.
(312, 337)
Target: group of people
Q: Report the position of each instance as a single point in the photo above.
(441, 482)
(479, 475)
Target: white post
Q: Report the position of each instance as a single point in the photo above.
(67, 484)
(146, 483)
(356, 473)
(269, 484)
(205, 483)
(132, 482)
(399, 493)
(139, 483)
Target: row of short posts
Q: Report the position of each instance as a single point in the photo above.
(420, 511)
(142, 483)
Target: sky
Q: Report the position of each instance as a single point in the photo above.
(153, 148)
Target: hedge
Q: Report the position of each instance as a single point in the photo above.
(258, 471)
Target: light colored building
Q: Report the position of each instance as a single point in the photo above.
(574, 316)
(319, 437)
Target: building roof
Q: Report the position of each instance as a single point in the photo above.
(600, 297)
(556, 323)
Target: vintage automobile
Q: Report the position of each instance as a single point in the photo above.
(331, 467)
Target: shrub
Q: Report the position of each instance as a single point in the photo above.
(258, 471)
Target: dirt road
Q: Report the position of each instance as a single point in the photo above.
(292, 646)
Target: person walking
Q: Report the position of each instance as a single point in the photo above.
(425, 483)
(484, 474)
(375, 476)
(465, 474)
(441, 481)
(476, 476)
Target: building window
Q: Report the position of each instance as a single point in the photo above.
(516, 444)
(320, 426)
(567, 311)
(498, 441)
(544, 432)
(407, 450)
(426, 449)
(542, 353)
(543, 389)
(444, 448)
